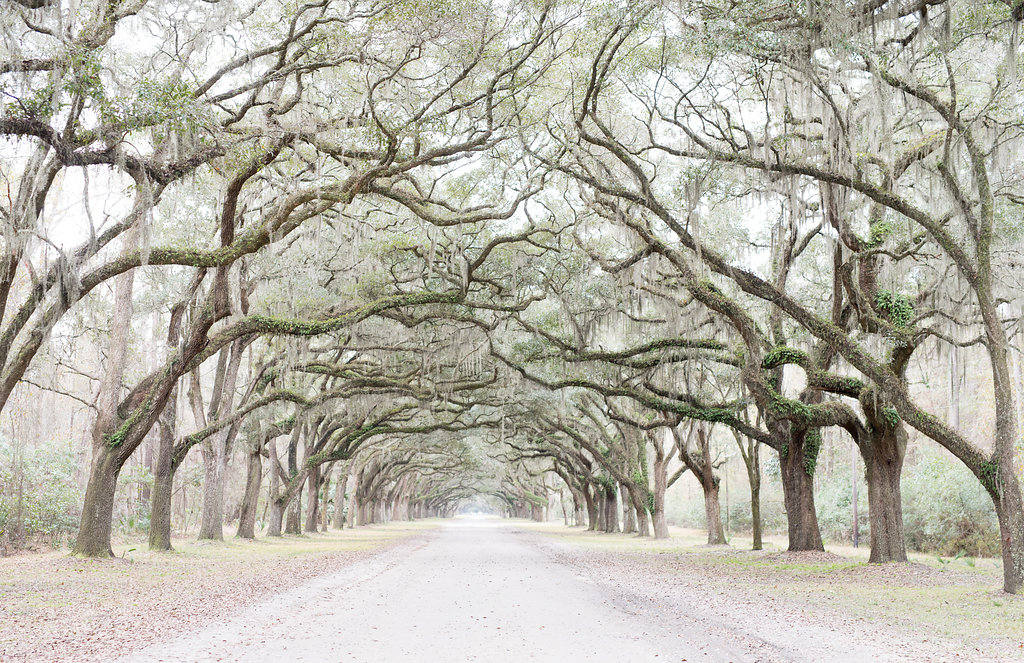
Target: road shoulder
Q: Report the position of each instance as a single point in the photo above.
(55, 607)
(798, 607)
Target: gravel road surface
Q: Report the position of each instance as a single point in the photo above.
(481, 590)
(476, 590)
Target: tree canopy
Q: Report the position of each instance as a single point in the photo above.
(442, 253)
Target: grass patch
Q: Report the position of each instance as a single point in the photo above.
(954, 598)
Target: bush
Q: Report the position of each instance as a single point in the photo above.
(946, 510)
(690, 512)
(687, 513)
(133, 513)
(39, 497)
(833, 501)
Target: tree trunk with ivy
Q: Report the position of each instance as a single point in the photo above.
(108, 455)
(797, 461)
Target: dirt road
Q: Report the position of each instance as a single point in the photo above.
(475, 591)
(480, 590)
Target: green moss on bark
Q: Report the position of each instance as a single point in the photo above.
(812, 447)
(783, 355)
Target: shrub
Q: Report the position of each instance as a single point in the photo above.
(946, 510)
(833, 501)
(39, 497)
(133, 512)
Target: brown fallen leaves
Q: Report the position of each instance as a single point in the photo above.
(54, 607)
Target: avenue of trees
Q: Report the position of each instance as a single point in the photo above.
(381, 259)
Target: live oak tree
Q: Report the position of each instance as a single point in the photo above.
(808, 125)
(408, 254)
(395, 146)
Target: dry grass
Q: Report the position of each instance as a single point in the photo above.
(55, 607)
(957, 600)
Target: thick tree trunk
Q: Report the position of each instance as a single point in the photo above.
(276, 509)
(637, 498)
(163, 481)
(98, 507)
(293, 520)
(754, 478)
(883, 449)
(798, 493)
(885, 509)
(660, 486)
(611, 518)
(312, 499)
(275, 518)
(593, 512)
(352, 516)
(643, 522)
(713, 513)
(212, 520)
(250, 499)
(325, 498)
(629, 514)
(1010, 512)
(339, 496)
